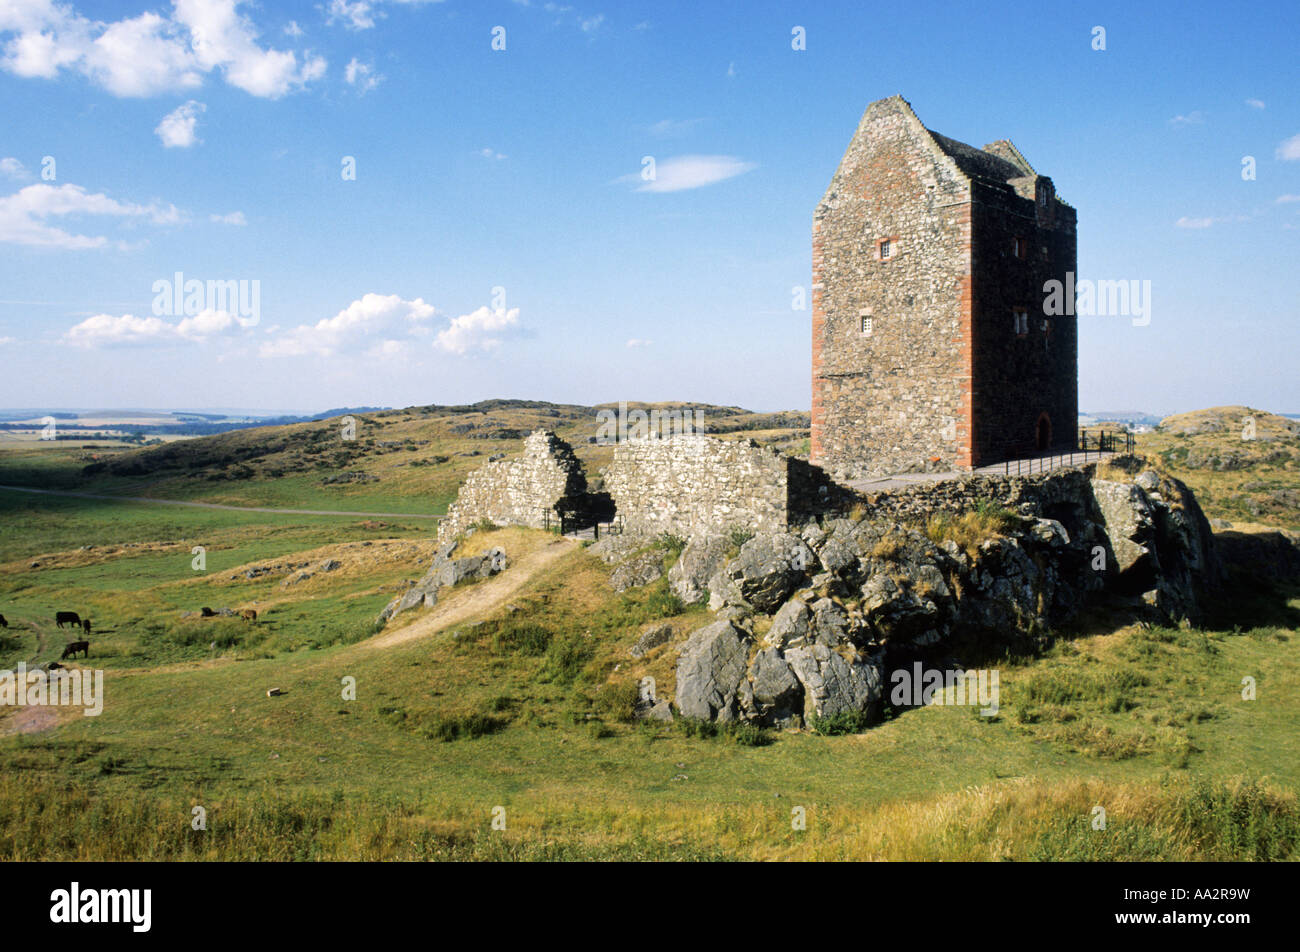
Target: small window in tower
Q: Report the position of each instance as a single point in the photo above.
(867, 326)
(1020, 318)
(1020, 247)
(884, 249)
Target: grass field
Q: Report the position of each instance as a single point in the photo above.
(521, 710)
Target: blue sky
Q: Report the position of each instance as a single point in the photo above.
(498, 239)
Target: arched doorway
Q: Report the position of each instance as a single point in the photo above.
(1043, 433)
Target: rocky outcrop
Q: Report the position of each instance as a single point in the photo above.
(445, 572)
(763, 575)
(652, 637)
(710, 671)
(832, 685)
(1160, 543)
(699, 562)
(777, 695)
(848, 599)
(638, 570)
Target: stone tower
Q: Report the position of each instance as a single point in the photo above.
(930, 346)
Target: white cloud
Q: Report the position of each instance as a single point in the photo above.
(1287, 199)
(13, 169)
(591, 24)
(223, 38)
(142, 56)
(127, 330)
(1255, 103)
(691, 171)
(356, 15)
(362, 76)
(292, 29)
(150, 54)
(1186, 222)
(177, 129)
(23, 215)
(731, 70)
(491, 154)
(637, 342)
(483, 329)
(362, 14)
(370, 321)
(1196, 117)
(233, 218)
(1289, 150)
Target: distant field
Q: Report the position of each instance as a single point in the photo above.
(409, 460)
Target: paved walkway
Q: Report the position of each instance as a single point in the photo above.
(1022, 467)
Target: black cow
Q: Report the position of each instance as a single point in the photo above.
(4, 623)
(74, 647)
(85, 625)
(67, 618)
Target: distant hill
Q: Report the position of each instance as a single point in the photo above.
(1232, 421)
(390, 460)
(1242, 462)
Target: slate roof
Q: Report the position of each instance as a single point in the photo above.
(977, 163)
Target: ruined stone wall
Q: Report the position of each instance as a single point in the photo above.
(547, 478)
(698, 484)
(897, 398)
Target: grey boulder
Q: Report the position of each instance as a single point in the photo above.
(699, 562)
(710, 671)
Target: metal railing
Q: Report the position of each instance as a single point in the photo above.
(1088, 447)
(569, 523)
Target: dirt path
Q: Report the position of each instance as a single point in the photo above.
(40, 642)
(149, 500)
(477, 600)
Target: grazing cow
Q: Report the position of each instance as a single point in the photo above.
(67, 618)
(74, 647)
(4, 623)
(207, 612)
(248, 614)
(85, 626)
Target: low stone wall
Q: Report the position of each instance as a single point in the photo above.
(693, 485)
(1042, 495)
(547, 478)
